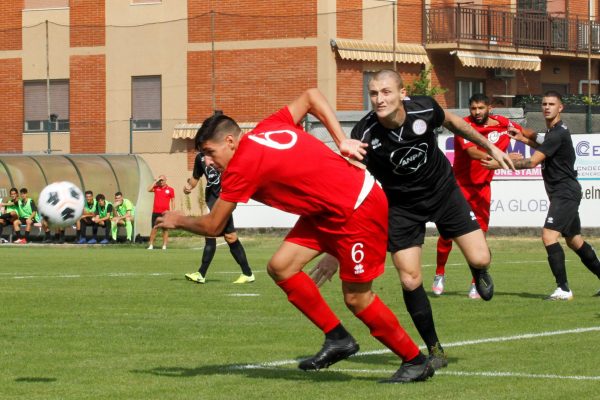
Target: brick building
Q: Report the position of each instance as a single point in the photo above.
(124, 74)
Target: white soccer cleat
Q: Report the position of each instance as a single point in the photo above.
(150, 247)
(438, 284)
(560, 294)
(473, 294)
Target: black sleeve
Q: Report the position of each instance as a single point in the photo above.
(438, 114)
(358, 134)
(33, 206)
(550, 145)
(109, 209)
(198, 166)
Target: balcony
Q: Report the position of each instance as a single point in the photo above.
(493, 29)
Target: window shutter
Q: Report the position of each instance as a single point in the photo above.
(146, 98)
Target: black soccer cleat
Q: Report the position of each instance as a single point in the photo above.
(483, 283)
(409, 372)
(331, 352)
(438, 358)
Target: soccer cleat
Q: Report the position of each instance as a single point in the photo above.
(48, 240)
(21, 241)
(331, 352)
(195, 277)
(438, 358)
(92, 241)
(483, 283)
(409, 372)
(164, 247)
(438, 284)
(473, 292)
(82, 241)
(560, 294)
(104, 241)
(150, 247)
(245, 279)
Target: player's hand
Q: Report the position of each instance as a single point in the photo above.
(515, 133)
(353, 148)
(324, 270)
(168, 220)
(490, 163)
(515, 156)
(187, 189)
(502, 158)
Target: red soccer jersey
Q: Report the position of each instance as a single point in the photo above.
(280, 165)
(469, 171)
(162, 198)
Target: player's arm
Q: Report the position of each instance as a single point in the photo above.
(536, 158)
(211, 224)
(527, 136)
(190, 185)
(460, 127)
(314, 102)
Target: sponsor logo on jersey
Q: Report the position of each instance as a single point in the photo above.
(419, 126)
(408, 160)
(473, 217)
(359, 269)
(550, 220)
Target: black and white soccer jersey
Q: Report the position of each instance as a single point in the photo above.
(558, 168)
(213, 179)
(413, 171)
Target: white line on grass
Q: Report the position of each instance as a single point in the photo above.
(455, 344)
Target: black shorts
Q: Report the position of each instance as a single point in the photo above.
(154, 216)
(229, 228)
(563, 217)
(453, 217)
(7, 217)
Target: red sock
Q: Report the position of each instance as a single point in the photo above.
(304, 294)
(444, 247)
(385, 327)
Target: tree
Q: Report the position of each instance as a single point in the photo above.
(422, 85)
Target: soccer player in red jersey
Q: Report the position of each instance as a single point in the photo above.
(163, 201)
(342, 212)
(473, 179)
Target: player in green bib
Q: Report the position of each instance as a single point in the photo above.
(124, 213)
(28, 215)
(104, 212)
(89, 212)
(11, 212)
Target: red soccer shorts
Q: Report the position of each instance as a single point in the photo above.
(479, 198)
(359, 244)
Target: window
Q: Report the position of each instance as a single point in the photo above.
(465, 89)
(41, 4)
(146, 102)
(36, 106)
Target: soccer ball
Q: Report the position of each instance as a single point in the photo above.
(61, 204)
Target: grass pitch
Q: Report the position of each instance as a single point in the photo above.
(121, 322)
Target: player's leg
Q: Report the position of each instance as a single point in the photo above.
(153, 231)
(94, 238)
(239, 254)
(107, 231)
(78, 231)
(455, 219)
(47, 234)
(17, 229)
(285, 268)
(385, 327)
(586, 253)
(556, 261)
(444, 247)
(210, 247)
(129, 228)
(165, 237)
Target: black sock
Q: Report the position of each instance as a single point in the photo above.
(95, 231)
(589, 258)
(419, 359)
(210, 246)
(47, 234)
(27, 235)
(419, 308)
(107, 230)
(78, 233)
(556, 259)
(239, 255)
(337, 333)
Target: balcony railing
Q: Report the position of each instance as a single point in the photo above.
(493, 27)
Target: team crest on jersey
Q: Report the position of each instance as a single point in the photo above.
(419, 126)
(375, 143)
(167, 191)
(494, 136)
(279, 140)
(407, 160)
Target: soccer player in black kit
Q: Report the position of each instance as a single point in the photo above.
(554, 150)
(400, 149)
(211, 193)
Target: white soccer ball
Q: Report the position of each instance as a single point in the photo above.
(61, 204)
